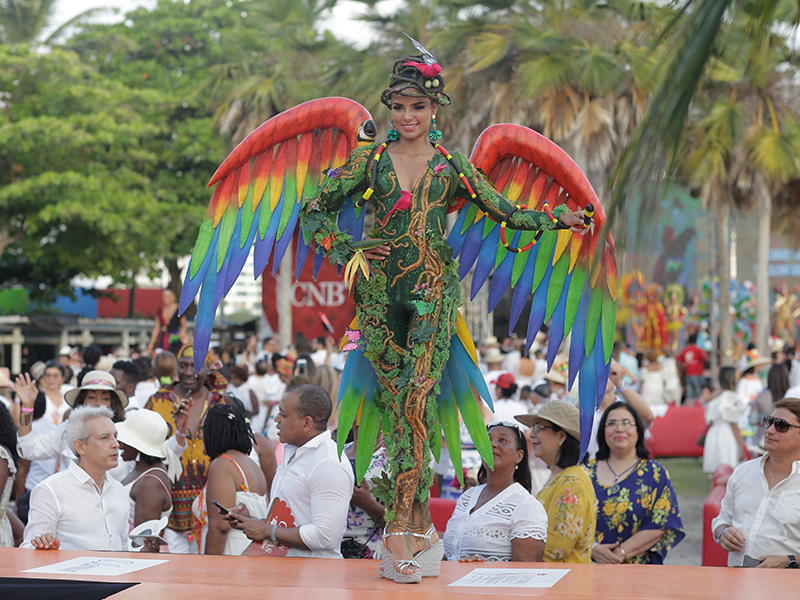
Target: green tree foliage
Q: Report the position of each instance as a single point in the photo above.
(75, 153)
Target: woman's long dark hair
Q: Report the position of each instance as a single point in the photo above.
(522, 474)
(603, 451)
(778, 381)
(116, 405)
(227, 428)
(8, 433)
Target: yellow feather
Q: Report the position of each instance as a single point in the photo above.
(466, 338)
(564, 236)
(574, 250)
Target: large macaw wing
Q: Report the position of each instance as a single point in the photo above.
(571, 277)
(259, 192)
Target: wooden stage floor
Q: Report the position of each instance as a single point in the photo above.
(243, 578)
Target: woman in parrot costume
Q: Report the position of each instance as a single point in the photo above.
(412, 366)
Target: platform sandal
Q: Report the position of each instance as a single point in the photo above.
(399, 570)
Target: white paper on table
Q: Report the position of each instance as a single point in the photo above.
(511, 578)
(97, 565)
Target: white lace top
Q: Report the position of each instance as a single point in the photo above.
(487, 532)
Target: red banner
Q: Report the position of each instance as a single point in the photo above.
(313, 302)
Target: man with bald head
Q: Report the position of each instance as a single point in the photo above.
(310, 495)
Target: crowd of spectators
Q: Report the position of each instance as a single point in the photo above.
(241, 458)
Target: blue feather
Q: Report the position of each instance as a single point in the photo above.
(319, 256)
(285, 239)
(556, 334)
(353, 358)
(501, 280)
(522, 290)
(204, 321)
(587, 392)
(459, 353)
(238, 253)
(301, 255)
(456, 237)
(192, 286)
(486, 259)
(602, 371)
(264, 245)
(578, 339)
(538, 309)
(472, 246)
(357, 379)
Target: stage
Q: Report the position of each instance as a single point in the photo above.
(242, 578)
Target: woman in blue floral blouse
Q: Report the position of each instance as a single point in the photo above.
(638, 518)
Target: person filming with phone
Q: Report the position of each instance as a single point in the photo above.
(310, 495)
(759, 522)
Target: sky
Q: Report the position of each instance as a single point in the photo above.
(340, 21)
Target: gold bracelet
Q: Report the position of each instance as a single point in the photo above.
(624, 555)
(25, 418)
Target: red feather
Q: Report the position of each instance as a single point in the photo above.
(429, 71)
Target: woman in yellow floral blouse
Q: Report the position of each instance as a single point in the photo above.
(568, 496)
(638, 519)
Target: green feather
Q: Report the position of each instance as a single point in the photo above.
(488, 225)
(544, 258)
(609, 326)
(574, 297)
(593, 318)
(247, 216)
(289, 200)
(501, 254)
(435, 441)
(202, 244)
(225, 234)
(520, 260)
(367, 435)
(472, 210)
(448, 416)
(472, 417)
(556, 284)
(348, 407)
(266, 213)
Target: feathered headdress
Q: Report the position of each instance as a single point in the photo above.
(417, 76)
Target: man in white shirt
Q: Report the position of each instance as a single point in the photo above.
(82, 508)
(314, 483)
(759, 520)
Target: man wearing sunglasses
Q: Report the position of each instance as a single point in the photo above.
(759, 522)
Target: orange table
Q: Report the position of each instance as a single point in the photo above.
(243, 578)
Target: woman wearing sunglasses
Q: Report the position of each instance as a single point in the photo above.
(638, 518)
(759, 522)
(568, 496)
(499, 520)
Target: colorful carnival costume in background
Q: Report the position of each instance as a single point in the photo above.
(194, 460)
(412, 366)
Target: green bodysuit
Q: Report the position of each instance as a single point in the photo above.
(407, 309)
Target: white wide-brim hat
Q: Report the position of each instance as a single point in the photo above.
(146, 431)
(96, 380)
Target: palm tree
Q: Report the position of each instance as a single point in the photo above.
(744, 150)
(23, 21)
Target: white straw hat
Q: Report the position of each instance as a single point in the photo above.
(96, 380)
(146, 431)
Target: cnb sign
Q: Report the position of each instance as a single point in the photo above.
(311, 300)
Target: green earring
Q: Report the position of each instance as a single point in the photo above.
(434, 134)
(393, 134)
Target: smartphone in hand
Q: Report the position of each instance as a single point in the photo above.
(221, 508)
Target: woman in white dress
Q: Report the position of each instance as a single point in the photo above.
(233, 478)
(723, 445)
(499, 520)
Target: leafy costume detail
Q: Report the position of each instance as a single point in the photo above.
(406, 347)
